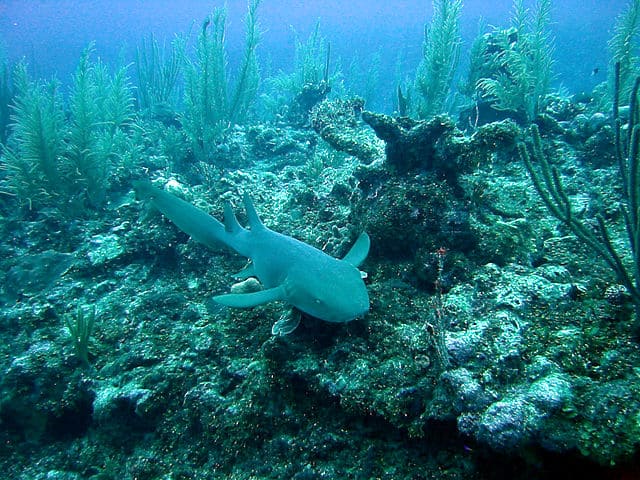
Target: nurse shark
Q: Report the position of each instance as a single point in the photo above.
(289, 270)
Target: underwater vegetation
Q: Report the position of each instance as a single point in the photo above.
(211, 104)
(623, 52)
(511, 68)
(6, 95)
(549, 186)
(500, 338)
(441, 51)
(68, 162)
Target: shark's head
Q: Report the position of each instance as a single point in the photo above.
(333, 295)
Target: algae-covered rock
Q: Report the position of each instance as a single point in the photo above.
(105, 248)
(404, 217)
(35, 274)
(43, 399)
(416, 144)
(337, 122)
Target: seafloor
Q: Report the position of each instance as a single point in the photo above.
(496, 345)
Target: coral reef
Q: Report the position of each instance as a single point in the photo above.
(337, 122)
(497, 343)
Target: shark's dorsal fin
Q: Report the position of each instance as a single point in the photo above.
(231, 223)
(245, 300)
(359, 250)
(252, 216)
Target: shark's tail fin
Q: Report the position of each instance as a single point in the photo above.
(196, 223)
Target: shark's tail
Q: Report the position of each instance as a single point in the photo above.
(196, 223)
(144, 189)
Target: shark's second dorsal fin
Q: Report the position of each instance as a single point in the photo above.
(252, 216)
(359, 250)
(231, 224)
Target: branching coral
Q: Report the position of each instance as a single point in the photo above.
(548, 184)
(33, 156)
(52, 162)
(511, 69)
(441, 50)
(80, 328)
(623, 46)
(6, 95)
(158, 70)
(211, 104)
(100, 105)
(297, 92)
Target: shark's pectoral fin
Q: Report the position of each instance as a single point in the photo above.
(359, 250)
(245, 300)
(287, 323)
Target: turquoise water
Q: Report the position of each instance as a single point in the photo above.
(488, 152)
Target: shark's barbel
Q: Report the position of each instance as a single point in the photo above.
(289, 270)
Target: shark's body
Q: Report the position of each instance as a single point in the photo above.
(289, 270)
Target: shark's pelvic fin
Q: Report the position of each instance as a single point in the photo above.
(246, 272)
(359, 250)
(287, 323)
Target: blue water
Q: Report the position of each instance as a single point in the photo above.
(487, 351)
(52, 34)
